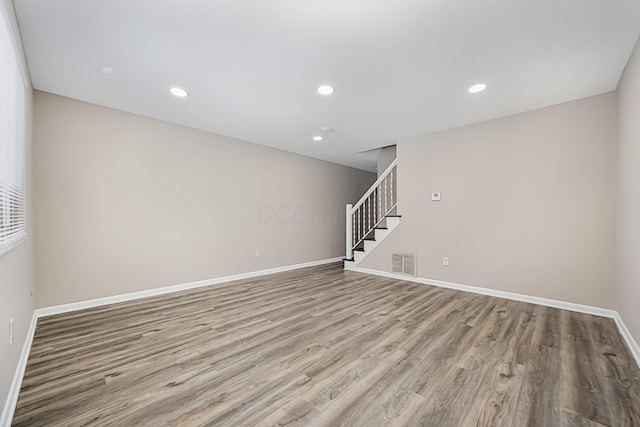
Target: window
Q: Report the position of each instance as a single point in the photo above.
(12, 142)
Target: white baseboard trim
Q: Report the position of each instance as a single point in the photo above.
(495, 293)
(626, 334)
(75, 306)
(16, 384)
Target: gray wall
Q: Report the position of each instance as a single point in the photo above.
(127, 203)
(628, 268)
(16, 269)
(527, 203)
(385, 157)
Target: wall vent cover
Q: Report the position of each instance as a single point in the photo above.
(403, 263)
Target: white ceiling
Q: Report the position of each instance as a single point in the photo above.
(400, 68)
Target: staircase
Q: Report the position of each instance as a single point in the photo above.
(373, 218)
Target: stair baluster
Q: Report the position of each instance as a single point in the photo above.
(369, 212)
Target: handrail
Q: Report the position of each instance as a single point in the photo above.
(375, 185)
(371, 228)
(372, 208)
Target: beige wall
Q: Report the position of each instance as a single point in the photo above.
(16, 267)
(527, 203)
(628, 267)
(386, 156)
(127, 203)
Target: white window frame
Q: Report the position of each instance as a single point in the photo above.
(18, 148)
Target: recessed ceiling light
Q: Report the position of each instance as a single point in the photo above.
(326, 129)
(107, 70)
(477, 88)
(325, 90)
(179, 92)
(317, 138)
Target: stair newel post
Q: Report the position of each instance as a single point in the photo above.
(349, 236)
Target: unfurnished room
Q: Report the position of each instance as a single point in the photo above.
(320, 213)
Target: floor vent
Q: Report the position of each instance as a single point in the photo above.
(403, 263)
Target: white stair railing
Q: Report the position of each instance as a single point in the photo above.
(378, 202)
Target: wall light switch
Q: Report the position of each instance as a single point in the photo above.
(435, 197)
(258, 253)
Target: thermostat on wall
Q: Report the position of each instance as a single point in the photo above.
(435, 197)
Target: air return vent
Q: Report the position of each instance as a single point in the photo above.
(403, 263)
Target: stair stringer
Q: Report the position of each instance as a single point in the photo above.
(369, 245)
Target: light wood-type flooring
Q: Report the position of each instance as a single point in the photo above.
(326, 347)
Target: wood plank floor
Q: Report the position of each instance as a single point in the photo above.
(325, 347)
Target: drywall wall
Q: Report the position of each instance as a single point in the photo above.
(628, 231)
(16, 266)
(127, 203)
(386, 156)
(527, 203)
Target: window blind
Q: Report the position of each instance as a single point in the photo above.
(12, 142)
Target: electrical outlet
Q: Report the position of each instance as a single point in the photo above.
(258, 253)
(12, 336)
(445, 260)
